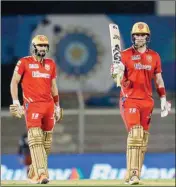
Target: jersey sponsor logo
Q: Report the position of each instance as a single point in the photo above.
(37, 74)
(136, 57)
(33, 66)
(140, 66)
(47, 67)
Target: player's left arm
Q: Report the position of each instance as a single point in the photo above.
(160, 88)
(55, 94)
(58, 113)
(159, 82)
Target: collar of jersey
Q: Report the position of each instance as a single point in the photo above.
(38, 61)
(137, 52)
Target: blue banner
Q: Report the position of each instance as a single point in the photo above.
(92, 166)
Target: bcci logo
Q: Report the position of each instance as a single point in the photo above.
(77, 52)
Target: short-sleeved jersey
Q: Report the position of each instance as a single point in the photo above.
(36, 78)
(140, 69)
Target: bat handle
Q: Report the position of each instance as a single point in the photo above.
(118, 83)
(119, 79)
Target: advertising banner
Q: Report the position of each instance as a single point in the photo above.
(92, 166)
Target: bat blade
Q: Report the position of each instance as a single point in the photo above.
(115, 45)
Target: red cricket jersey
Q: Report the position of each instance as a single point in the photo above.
(140, 69)
(37, 78)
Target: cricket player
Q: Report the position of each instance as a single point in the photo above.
(140, 65)
(41, 106)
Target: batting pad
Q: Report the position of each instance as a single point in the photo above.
(38, 153)
(134, 150)
(145, 141)
(47, 139)
(144, 147)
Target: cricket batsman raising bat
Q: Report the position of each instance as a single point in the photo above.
(140, 66)
(41, 104)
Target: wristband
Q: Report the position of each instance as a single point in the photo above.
(56, 99)
(16, 102)
(161, 91)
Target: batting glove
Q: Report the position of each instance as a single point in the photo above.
(16, 109)
(165, 107)
(117, 71)
(58, 113)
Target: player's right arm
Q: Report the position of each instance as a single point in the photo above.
(14, 86)
(117, 70)
(16, 109)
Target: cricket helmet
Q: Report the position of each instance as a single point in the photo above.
(39, 40)
(140, 28)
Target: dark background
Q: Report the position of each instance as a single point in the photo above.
(77, 7)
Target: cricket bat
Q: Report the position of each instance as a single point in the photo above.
(115, 47)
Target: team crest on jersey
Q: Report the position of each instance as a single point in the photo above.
(47, 67)
(136, 57)
(149, 58)
(33, 66)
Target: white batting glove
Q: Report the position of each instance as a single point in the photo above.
(16, 109)
(58, 113)
(117, 71)
(165, 107)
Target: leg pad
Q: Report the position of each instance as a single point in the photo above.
(38, 153)
(134, 150)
